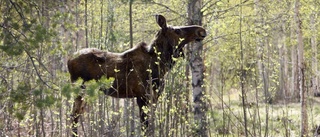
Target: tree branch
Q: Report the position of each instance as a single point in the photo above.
(209, 7)
(19, 11)
(31, 58)
(168, 8)
(226, 10)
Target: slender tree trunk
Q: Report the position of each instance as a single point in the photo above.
(77, 24)
(285, 68)
(283, 60)
(101, 117)
(294, 73)
(314, 61)
(128, 107)
(130, 19)
(109, 40)
(86, 22)
(187, 91)
(242, 76)
(294, 92)
(197, 69)
(101, 23)
(261, 61)
(260, 51)
(132, 123)
(301, 70)
(132, 120)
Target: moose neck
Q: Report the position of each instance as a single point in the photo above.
(163, 53)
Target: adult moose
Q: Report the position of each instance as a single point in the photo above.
(137, 72)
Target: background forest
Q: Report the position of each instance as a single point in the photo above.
(261, 67)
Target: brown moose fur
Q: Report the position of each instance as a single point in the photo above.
(128, 67)
(137, 72)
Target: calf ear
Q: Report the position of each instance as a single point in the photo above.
(161, 21)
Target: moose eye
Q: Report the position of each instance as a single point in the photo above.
(202, 34)
(178, 31)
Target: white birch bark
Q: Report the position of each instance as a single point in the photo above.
(197, 72)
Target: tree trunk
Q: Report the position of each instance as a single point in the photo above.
(129, 109)
(197, 72)
(301, 70)
(77, 25)
(260, 51)
(283, 60)
(294, 73)
(101, 105)
(314, 61)
(86, 22)
(110, 38)
(242, 76)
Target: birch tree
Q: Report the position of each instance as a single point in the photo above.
(197, 67)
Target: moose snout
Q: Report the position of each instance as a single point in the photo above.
(200, 38)
(201, 35)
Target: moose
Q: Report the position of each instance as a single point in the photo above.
(138, 72)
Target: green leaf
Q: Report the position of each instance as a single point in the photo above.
(66, 91)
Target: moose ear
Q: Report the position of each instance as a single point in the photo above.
(161, 21)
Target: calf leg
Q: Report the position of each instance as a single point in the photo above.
(142, 102)
(78, 109)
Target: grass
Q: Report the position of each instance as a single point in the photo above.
(275, 120)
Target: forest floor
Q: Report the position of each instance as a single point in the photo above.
(281, 119)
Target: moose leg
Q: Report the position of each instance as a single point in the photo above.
(78, 109)
(142, 102)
